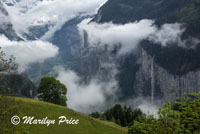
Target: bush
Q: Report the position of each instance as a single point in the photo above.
(182, 117)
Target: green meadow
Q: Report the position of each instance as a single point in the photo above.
(40, 110)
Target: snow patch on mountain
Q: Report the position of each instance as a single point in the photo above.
(52, 13)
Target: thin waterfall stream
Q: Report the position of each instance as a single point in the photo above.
(152, 81)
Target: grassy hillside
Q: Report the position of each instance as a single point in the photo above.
(87, 124)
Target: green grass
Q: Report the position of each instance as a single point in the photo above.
(87, 124)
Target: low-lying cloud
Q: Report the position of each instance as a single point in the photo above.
(27, 52)
(168, 34)
(129, 35)
(145, 105)
(87, 97)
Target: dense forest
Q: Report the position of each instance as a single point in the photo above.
(118, 114)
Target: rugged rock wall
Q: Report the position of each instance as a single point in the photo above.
(139, 74)
(155, 82)
(17, 85)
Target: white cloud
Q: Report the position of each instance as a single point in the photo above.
(86, 97)
(27, 52)
(168, 33)
(4, 20)
(145, 105)
(148, 108)
(129, 35)
(55, 12)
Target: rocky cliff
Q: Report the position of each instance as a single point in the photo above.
(139, 75)
(157, 83)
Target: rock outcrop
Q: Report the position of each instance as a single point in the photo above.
(17, 85)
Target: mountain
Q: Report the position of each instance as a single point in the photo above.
(151, 70)
(31, 29)
(68, 39)
(162, 11)
(154, 71)
(10, 2)
(40, 110)
(6, 26)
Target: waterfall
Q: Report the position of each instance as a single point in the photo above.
(152, 81)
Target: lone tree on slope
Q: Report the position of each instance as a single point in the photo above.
(52, 90)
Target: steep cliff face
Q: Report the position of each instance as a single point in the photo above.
(96, 62)
(156, 83)
(139, 75)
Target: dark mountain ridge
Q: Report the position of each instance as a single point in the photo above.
(162, 11)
